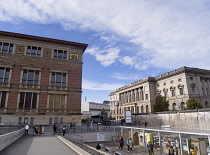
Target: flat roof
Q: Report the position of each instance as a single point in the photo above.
(171, 130)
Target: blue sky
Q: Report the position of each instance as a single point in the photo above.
(145, 38)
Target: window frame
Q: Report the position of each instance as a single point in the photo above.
(9, 50)
(60, 54)
(24, 100)
(26, 77)
(34, 51)
(6, 75)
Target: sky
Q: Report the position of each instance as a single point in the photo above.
(139, 37)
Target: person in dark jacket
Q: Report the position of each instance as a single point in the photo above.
(171, 151)
(98, 147)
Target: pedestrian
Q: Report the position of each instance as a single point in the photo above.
(64, 130)
(54, 129)
(131, 141)
(26, 129)
(40, 129)
(128, 144)
(150, 147)
(171, 151)
(122, 142)
(98, 147)
(119, 143)
(33, 130)
(192, 152)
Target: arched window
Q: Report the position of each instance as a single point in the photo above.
(182, 105)
(206, 104)
(142, 109)
(137, 109)
(174, 106)
(147, 109)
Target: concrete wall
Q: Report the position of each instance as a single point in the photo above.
(188, 120)
(92, 136)
(9, 138)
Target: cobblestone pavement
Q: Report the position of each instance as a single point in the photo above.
(137, 150)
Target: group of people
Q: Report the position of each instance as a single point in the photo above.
(129, 143)
(34, 129)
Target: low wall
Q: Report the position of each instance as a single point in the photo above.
(185, 120)
(92, 136)
(9, 138)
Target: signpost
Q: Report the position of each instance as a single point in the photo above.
(100, 136)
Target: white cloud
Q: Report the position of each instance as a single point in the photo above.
(92, 85)
(106, 56)
(173, 33)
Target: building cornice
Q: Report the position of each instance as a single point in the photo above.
(43, 39)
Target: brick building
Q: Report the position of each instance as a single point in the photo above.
(40, 79)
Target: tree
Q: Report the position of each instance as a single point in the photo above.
(161, 104)
(103, 112)
(193, 104)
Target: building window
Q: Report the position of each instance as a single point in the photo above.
(147, 109)
(26, 120)
(74, 56)
(61, 120)
(193, 89)
(164, 83)
(142, 109)
(4, 75)
(28, 100)
(58, 79)
(33, 51)
(6, 48)
(146, 96)
(191, 78)
(174, 106)
(57, 101)
(179, 79)
(60, 54)
(181, 91)
(166, 93)
(31, 120)
(182, 105)
(56, 120)
(172, 81)
(172, 92)
(30, 77)
(50, 120)
(19, 120)
(206, 104)
(3, 95)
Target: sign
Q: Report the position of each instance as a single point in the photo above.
(128, 117)
(101, 136)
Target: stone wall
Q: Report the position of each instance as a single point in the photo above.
(9, 138)
(192, 119)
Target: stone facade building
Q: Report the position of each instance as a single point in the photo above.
(40, 79)
(177, 86)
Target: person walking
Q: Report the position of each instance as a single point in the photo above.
(150, 147)
(98, 147)
(120, 143)
(128, 144)
(54, 129)
(26, 129)
(64, 130)
(192, 152)
(131, 141)
(171, 151)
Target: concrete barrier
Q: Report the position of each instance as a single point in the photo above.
(9, 138)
